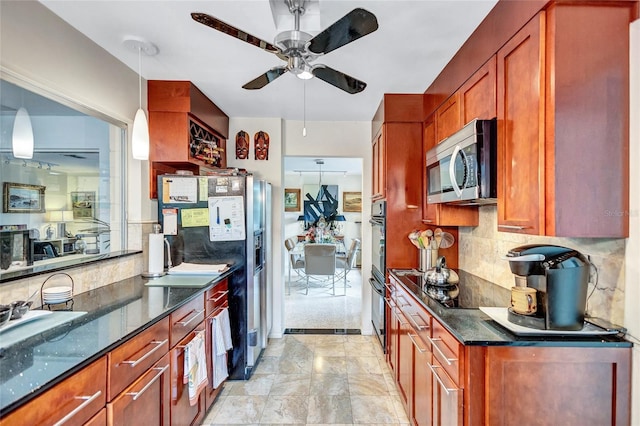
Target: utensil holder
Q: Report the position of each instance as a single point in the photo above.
(426, 259)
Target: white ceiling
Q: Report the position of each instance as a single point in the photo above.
(415, 40)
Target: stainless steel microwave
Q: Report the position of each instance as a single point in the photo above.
(462, 168)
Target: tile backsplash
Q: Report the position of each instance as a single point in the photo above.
(482, 247)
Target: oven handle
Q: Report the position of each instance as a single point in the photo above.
(372, 281)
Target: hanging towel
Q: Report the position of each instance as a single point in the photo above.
(221, 344)
(195, 366)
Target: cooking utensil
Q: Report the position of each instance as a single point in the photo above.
(440, 275)
(437, 235)
(414, 239)
(447, 240)
(19, 308)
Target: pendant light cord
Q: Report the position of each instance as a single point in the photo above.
(140, 77)
(304, 108)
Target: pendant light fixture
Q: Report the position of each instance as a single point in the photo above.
(140, 132)
(22, 137)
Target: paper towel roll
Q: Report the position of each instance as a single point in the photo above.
(156, 253)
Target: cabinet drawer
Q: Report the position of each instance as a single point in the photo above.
(74, 401)
(416, 315)
(216, 296)
(131, 359)
(447, 351)
(185, 319)
(146, 400)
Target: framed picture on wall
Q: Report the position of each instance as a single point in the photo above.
(291, 200)
(22, 198)
(352, 201)
(82, 204)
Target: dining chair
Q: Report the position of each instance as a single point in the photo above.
(320, 259)
(296, 261)
(348, 261)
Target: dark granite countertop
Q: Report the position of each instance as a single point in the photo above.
(473, 327)
(114, 314)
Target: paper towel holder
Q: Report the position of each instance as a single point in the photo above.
(146, 274)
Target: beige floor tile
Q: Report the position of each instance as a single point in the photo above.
(330, 365)
(260, 384)
(329, 384)
(329, 409)
(373, 409)
(283, 409)
(291, 384)
(241, 410)
(367, 384)
(363, 365)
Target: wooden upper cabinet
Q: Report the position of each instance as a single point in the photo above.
(186, 130)
(379, 169)
(563, 120)
(520, 65)
(478, 94)
(448, 118)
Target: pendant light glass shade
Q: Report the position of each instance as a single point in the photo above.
(22, 140)
(140, 136)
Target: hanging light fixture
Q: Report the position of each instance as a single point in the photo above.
(22, 138)
(140, 132)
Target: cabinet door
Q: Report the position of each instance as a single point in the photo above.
(521, 138)
(422, 383)
(448, 117)
(405, 361)
(379, 165)
(392, 329)
(571, 386)
(146, 401)
(428, 142)
(478, 94)
(210, 392)
(447, 398)
(182, 412)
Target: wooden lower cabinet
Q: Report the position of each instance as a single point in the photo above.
(443, 382)
(182, 412)
(74, 401)
(99, 419)
(558, 386)
(145, 401)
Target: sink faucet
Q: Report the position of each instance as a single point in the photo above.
(169, 264)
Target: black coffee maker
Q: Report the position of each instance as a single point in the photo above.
(560, 276)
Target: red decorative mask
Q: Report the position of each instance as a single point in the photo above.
(242, 145)
(261, 140)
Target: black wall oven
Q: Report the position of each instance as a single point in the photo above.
(378, 269)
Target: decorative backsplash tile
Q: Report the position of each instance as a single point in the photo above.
(481, 250)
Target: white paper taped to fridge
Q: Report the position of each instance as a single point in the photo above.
(226, 218)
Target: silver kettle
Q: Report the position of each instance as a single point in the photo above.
(440, 275)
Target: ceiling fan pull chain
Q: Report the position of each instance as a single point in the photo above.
(304, 108)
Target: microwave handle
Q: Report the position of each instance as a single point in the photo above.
(452, 171)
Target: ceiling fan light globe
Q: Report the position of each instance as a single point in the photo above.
(304, 74)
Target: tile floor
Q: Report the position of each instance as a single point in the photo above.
(314, 379)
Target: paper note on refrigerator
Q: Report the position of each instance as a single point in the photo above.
(194, 217)
(226, 218)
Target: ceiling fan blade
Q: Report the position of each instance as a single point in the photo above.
(266, 78)
(217, 24)
(355, 24)
(339, 79)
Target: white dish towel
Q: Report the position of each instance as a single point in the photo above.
(195, 366)
(221, 340)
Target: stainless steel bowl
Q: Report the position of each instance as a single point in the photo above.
(5, 314)
(19, 308)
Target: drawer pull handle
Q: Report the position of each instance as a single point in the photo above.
(403, 299)
(411, 336)
(137, 395)
(222, 295)
(390, 303)
(433, 369)
(87, 400)
(398, 317)
(420, 327)
(193, 318)
(427, 220)
(158, 344)
(434, 341)
(519, 228)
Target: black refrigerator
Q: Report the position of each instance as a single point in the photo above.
(224, 218)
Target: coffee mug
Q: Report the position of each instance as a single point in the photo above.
(523, 300)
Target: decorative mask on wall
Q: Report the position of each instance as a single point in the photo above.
(242, 145)
(261, 140)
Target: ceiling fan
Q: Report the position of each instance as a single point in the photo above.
(300, 49)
